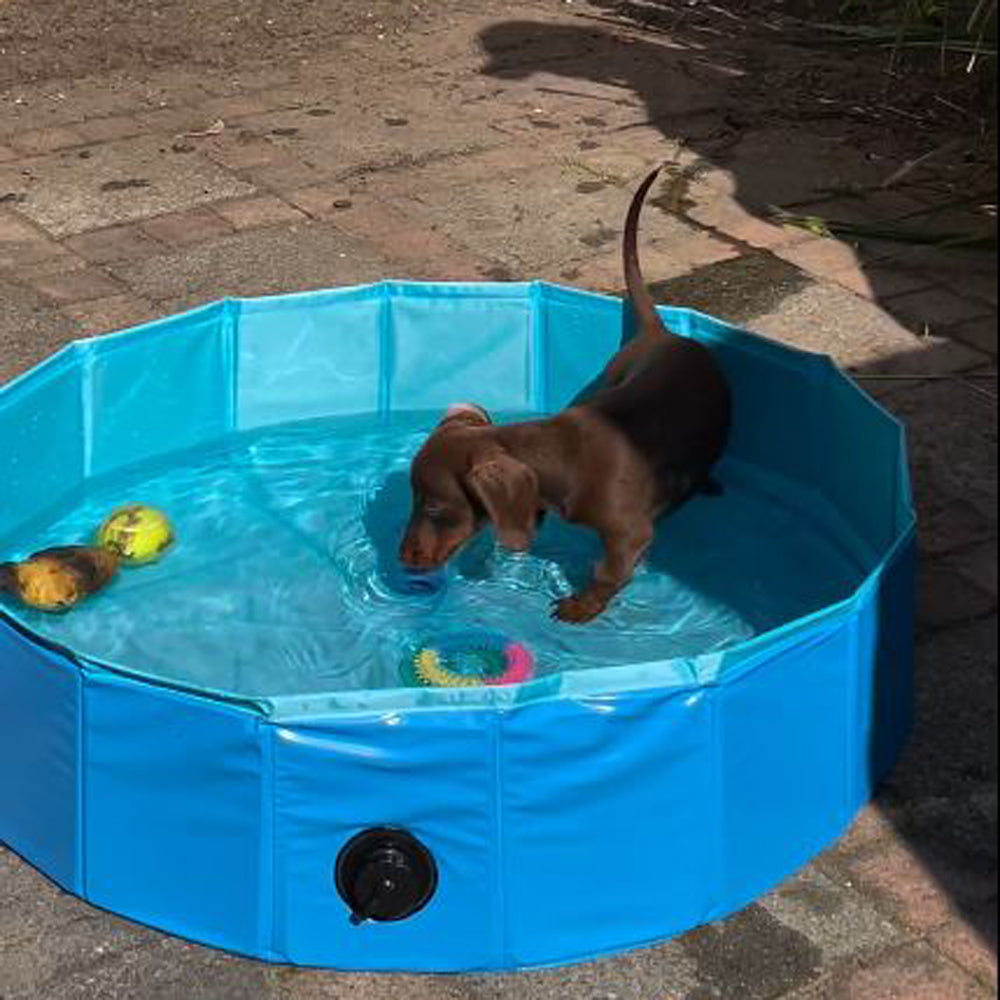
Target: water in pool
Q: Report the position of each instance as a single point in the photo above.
(277, 584)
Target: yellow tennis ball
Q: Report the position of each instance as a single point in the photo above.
(139, 534)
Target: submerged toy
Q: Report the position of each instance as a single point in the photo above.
(57, 579)
(469, 659)
(416, 583)
(139, 534)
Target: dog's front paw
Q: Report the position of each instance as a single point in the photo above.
(576, 610)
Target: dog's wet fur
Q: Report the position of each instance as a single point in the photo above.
(638, 446)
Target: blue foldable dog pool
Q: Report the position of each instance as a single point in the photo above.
(225, 745)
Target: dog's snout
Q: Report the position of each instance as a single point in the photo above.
(409, 554)
(413, 555)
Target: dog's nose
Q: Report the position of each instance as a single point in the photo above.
(411, 556)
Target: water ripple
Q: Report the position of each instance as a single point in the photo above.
(281, 579)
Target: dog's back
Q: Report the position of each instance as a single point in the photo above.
(664, 392)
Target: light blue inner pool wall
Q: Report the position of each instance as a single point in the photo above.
(584, 813)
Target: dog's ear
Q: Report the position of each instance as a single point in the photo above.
(466, 413)
(508, 490)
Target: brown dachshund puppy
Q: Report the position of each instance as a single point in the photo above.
(642, 443)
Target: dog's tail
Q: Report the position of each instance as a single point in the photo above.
(642, 302)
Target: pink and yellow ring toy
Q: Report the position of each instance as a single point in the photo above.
(468, 659)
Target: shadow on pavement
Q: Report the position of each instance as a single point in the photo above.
(938, 798)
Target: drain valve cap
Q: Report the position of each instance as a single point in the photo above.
(385, 874)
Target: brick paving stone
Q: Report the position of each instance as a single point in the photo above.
(426, 251)
(837, 920)
(954, 525)
(320, 201)
(92, 96)
(980, 565)
(102, 246)
(62, 263)
(913, 891)
(109, 129)
(128, 180)
(234, 106)
(244, 149)
(948, 598)
(951, 267)
(184, 88)
(287, 95)
(16, 257)
(979, 283)
(979, 333)
(164, 969)
(16, 230)
(79, 285)
(870, 206)
(725, 215)
(944, 783)
(36, 965)
(952, 433)
(252, 213)
(512, 168)
(172, 120)
(870, 826)
(741, 290)
(820, 256)
(541, 221)
(30, 329)
(878, 283)
(661, 972)
(974, 950)
(186, 228)
(655, 973)
(775, 165)
(30, 905)
(887, 281)
(23, 245)
(934, 308)
(661, 261)
(912, 972)
(117, 312)
(860, 334)
(308, 984)
(259, 78)
(753, 956)
(276, 259)
(854, 279)
(46, 140)
(284, 173)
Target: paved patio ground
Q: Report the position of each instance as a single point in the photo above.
(500, 140)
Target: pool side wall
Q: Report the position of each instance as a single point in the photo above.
(563, 829)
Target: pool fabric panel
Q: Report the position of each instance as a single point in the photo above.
(563, 829)
(40, 760)
(172, 811)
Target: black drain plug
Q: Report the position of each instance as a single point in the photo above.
(385, 874)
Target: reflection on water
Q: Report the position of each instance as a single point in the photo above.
(280, 579)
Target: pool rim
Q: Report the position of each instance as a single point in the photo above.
(592, 682)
